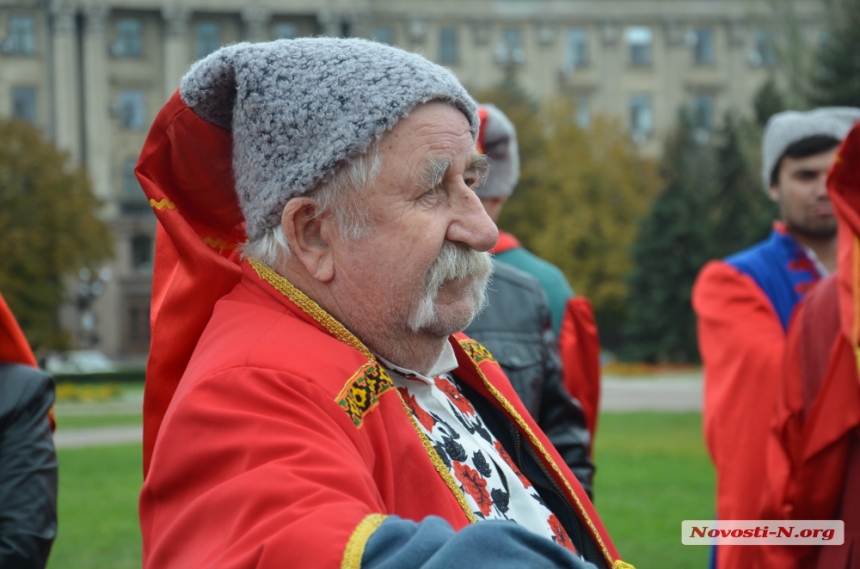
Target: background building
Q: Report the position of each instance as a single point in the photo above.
(92, 76)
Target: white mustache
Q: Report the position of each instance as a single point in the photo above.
(453, 262)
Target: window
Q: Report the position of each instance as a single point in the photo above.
(131, 190)
(21, 39)
(639, 41)
(129, 41)
(285, 31)
(512, 42)
(765, 49)
(141, 252)
(703, 112)
(132, 109)
(448, 48)
(583, 111)
(24, 104)
(641, 119)
(703, 46)
(384, 35)
(208, 38)
(576, 48)
(137, 325)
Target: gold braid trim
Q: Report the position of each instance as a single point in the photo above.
(337, 330)
(537, 444)
(358, 540)
(621, 565)
(310, 307)
(443, 470)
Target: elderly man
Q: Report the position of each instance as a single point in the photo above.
(307, 404)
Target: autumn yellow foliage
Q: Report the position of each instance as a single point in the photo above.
(581, 194)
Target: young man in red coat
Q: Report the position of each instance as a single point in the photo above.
(744, 303)
(814, 453)
(309, 402)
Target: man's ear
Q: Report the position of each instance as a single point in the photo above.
(773, 193)
(307, 237)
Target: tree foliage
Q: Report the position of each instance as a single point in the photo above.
(712, 205)
(49, 228)
(767, 102)
(835, 78)
(579, 200)
(669, 251)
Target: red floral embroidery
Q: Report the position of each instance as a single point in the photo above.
(474, 485)
(451, 391)
(507, 458)
(559, 534)
(426, 420)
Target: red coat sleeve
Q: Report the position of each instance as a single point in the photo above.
(579, 348)
(742, 344)
(275, 479)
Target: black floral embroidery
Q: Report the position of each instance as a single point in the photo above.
(454, 449)
(501, 499)
(440, 450)
(481, 464)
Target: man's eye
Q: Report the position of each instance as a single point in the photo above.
(432, 191)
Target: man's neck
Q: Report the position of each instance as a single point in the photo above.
(824, 248)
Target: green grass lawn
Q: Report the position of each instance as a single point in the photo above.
(98, 526)
(93, 421)
(653, 472)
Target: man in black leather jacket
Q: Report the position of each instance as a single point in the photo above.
(517, 329)
(28, 463)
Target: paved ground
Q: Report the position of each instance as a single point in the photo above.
(678, 393)
(671, 393)
(76, 438)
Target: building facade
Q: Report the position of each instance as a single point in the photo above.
(92, 75)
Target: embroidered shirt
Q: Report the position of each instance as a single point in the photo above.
(493, 485)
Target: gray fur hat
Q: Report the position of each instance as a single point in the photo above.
(785, 128)
(298, 108)
(498, 140)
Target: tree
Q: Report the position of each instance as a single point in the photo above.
(739, 211)
(835, 79)
(49, 228)
(767, 102)
(597, 188)
(671, 247)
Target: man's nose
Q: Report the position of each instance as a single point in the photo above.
(471, 225)
(821, 187)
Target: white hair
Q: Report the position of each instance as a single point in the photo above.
(343, 194)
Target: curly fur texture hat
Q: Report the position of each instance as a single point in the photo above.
(785, 128)
(298, 108)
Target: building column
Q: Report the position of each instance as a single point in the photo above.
(256, 20)
(66, 87)
(97, 128)
(176, 54)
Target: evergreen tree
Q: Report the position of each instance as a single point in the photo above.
(767, 102)
(671, 247)
(739, 211)
(49, 228)
(836, 75)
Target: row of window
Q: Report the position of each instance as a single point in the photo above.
(130, 107)
(21, 40)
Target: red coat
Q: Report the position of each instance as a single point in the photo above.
(742, 344)
(285, 434)
(818, 412)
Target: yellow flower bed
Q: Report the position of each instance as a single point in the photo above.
(87, 392)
